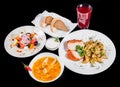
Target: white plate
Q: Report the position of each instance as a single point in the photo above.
(42, 55)
(22, 53)
(86, 69)
(51, 44)
(57, 33)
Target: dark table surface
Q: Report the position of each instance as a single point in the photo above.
(21, 13)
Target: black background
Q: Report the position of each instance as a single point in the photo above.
(20, 13)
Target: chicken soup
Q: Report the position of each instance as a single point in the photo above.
(46, 68)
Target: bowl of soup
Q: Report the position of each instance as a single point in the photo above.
(46, 67)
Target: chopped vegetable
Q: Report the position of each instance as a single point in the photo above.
(31, 46)
(80, 50)
(26, 40)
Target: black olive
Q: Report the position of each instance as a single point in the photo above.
(29, 39)
(36, 43)
(28, 34)
(28, 45)
(18, 45)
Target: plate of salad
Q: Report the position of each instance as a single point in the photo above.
(24, 41)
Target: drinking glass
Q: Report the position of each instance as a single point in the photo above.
(84, 12)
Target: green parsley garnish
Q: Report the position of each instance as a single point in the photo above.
(80, 50)
(57, 39)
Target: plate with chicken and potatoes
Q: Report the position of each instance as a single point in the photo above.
(87, 52)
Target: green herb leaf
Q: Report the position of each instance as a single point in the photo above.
(57, 39)
(80, 50)
(90, 38)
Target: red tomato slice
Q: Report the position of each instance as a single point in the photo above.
(22, 45)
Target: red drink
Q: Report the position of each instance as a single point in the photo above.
(83, 15)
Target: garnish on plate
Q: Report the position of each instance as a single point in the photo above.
(57, 39)
(80, 50)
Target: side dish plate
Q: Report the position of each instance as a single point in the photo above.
(23, 53)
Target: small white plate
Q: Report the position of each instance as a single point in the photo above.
(42, 55)
(23, 53)
(87, 69)
(52, 44)
(47, 30)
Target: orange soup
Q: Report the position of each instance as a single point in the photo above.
(46, 68)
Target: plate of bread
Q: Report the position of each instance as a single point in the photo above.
(87, 52)
(53, 24)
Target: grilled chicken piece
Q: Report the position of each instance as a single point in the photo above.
(73, 55)
(71, 49)
(71, 44)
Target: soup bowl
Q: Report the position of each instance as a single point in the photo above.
(46, 67)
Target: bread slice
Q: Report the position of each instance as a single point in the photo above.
(46, 21)
(71, 49)
(58, 24)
